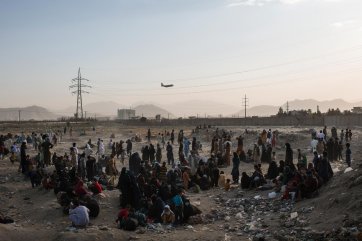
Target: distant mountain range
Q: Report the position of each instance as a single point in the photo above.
(26, 113)
(180, 109)
(151, 111)
(109, 109)
(200, 108)
(267, 110)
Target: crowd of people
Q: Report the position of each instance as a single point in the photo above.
(153, 188)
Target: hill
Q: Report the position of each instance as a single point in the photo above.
(268, 110)
(151, 111)
(201, 107)
(103, 108)
(323, 105)
(26, 113)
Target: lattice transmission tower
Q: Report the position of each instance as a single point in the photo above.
(79, 90)
(245, 104)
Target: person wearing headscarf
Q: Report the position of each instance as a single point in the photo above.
(289, 157)
(235, 171)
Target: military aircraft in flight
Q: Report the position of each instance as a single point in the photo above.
(166, 86)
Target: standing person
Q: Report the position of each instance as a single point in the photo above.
(82, 166)
(101, 149)
(74, 156)
(346, 134)
(179, 207)
(186, 178)
(289, 157)
(274, 139)
(129, 147)
(158, 154)
(227, 155)
(23, 161)
(152, 152)
(114, 149)
(149, 135)
(172, 139)
(235, 171)
(88, 150)
(341, 136)
(256, 154)
(340, 150)
(325, 132)
(186, 149)
(180, 137)
(163, 141)
(111, 168)
(194, 145)
(169, 150)
(46, 146)
(348, 154)
(145, 153)
(240, 140)
(91, 167)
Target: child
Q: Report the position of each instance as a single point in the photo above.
(13, 158)
(222, 179)
(167, 216)
(227, 184)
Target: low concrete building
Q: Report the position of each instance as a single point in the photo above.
(126, 114)
(357, 110)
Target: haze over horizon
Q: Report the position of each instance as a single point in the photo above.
(219, 50)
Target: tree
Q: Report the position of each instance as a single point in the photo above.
(280, 112)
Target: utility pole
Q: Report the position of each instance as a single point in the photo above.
(245, 104)
(77, 83)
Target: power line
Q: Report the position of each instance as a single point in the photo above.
(303, 70)
(339, 62)
(78, 84)
(289, 80)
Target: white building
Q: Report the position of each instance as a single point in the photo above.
(126, 114)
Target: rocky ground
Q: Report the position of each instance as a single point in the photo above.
(235, 215)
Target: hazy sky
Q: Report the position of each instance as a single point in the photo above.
(271, 50)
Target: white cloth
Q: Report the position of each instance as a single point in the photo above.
(88, 150)
(79, 216)
(320, 135)
(101, 149)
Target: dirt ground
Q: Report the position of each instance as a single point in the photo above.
(38, 216)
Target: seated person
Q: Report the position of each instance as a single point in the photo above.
(310, 186)
(79, 215)
(245, 181)
(204, 183)
(140, 217)
(167, 216)
(79, 189)
(95, 187)
(123, 216)
(156, 208)
(273, 171)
